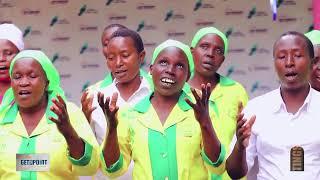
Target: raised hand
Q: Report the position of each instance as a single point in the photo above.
(201, 107)
(86, 104)
(62, 121)
(110, 109)
(243, 130)
(74, 142)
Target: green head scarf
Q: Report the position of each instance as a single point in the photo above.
(10, 108)
(210, 30)
(180, 45)
(314, 36)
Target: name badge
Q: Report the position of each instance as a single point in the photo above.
(32, 162)
(297, 159)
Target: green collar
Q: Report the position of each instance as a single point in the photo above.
(13, 111)
(145, 103)
(223, 81)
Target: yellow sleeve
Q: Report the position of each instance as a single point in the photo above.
(89, 162)
(242, 96)
(124, 131)
(217, 167)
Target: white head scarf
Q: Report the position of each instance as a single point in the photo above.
(13, 34)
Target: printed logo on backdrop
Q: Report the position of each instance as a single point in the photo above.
(254, 13)
(258, 68)
(26, 31)
(60, 38)
(144, 6)
(32, 32)
(144, 26)
(64, 76)
(117, 17)
(287, 19)
(6, 21)
(31, 12)
(34, 48)
(58, 57)
(257, 86)
(85, 86)
(236, 50)
(199, 4)
(232, 33)
(310, 28)
(149, 44)
(253, 50)
(56, 20)
(256, 50)
(174, 16)
(286, 3)
(233, 12)
(68, 95)
(83, 27)
(202, 23)
(59, 2)
(258, 30)
(85, 48)
(86, 65)
(228, 32)
(175, 34)
(231, 70)
(83, 9)
(109, 2)
(6, 4)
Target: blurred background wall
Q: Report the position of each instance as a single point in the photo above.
(69, 32)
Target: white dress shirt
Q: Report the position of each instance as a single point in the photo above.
(276, 131)
(98, 122)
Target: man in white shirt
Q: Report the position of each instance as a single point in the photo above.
(285, 139)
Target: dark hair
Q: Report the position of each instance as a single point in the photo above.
(120, 26)
(133, 35)
(307, 41)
